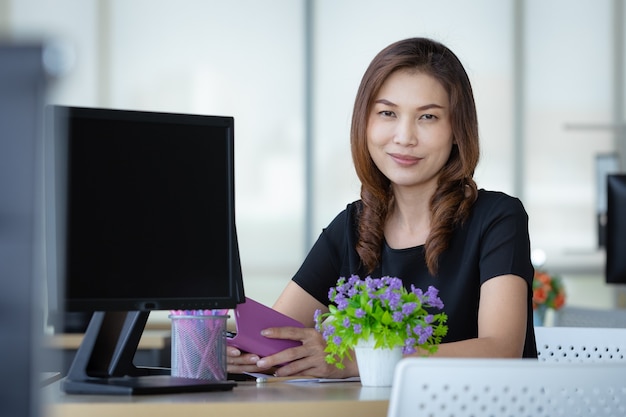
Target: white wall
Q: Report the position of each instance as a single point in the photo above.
(569, 86)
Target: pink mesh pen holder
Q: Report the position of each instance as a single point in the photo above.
(199, 346)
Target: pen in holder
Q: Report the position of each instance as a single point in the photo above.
(199, 344)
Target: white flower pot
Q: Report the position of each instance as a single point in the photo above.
(376, 366)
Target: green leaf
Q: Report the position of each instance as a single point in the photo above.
(386, 318)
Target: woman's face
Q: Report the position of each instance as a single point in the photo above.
(409, 135)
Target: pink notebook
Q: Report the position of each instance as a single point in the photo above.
(250, 318)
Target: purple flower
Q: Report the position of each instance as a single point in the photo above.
(433, 298)
(329, 330)
(316, 317)
(357, 328)
(417, 291)
(354, 279)
(409, 346)
(422, 333)
(378, 283)
(337, 340)
(385, 295)
(341, 301)
(359, 313)
(398, 316)
(409, 308)
(395, 284)
(432, 292)
(346, 322)
(394, 299)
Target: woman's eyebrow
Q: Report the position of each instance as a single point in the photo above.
(430, 106)
(385, 102)
(420, 108)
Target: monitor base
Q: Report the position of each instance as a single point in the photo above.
(143, 385)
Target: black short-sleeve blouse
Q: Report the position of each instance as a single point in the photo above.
(493, 241)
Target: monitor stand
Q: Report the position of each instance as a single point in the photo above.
(104, 361)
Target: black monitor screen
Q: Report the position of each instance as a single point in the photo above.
(149, 203)
(616, 229)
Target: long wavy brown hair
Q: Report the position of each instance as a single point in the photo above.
(456, 191)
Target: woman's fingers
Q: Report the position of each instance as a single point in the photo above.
(238, 362)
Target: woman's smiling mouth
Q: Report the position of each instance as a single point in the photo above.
(405, 160)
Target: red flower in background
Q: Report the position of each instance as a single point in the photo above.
(548, 291)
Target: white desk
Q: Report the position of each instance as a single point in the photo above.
(275, 399)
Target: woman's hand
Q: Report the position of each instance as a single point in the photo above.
(238, 362)
(308, 359)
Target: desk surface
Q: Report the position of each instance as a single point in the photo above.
(276, 399)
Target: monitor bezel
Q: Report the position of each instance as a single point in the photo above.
(615, 267)
(57, 160)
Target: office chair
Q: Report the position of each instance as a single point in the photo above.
(506, 387)
(581, 344)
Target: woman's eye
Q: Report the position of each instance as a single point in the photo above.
(387, 113)
(428, 117)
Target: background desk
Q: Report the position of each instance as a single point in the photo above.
(59, 350)
(276, 399)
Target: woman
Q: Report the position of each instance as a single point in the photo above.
(421, 218)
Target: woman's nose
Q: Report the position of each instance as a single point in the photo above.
(406, 133)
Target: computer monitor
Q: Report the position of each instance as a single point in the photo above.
(616, 229)
(140, 217)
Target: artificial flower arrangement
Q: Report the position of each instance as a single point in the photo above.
(548, 291)
(384, 309)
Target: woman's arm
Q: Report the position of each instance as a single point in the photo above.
(298, 304)
(501, 322)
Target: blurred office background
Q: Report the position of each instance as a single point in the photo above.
(548, 77)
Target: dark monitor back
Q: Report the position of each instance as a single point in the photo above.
(146, 203)
(616, 229)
